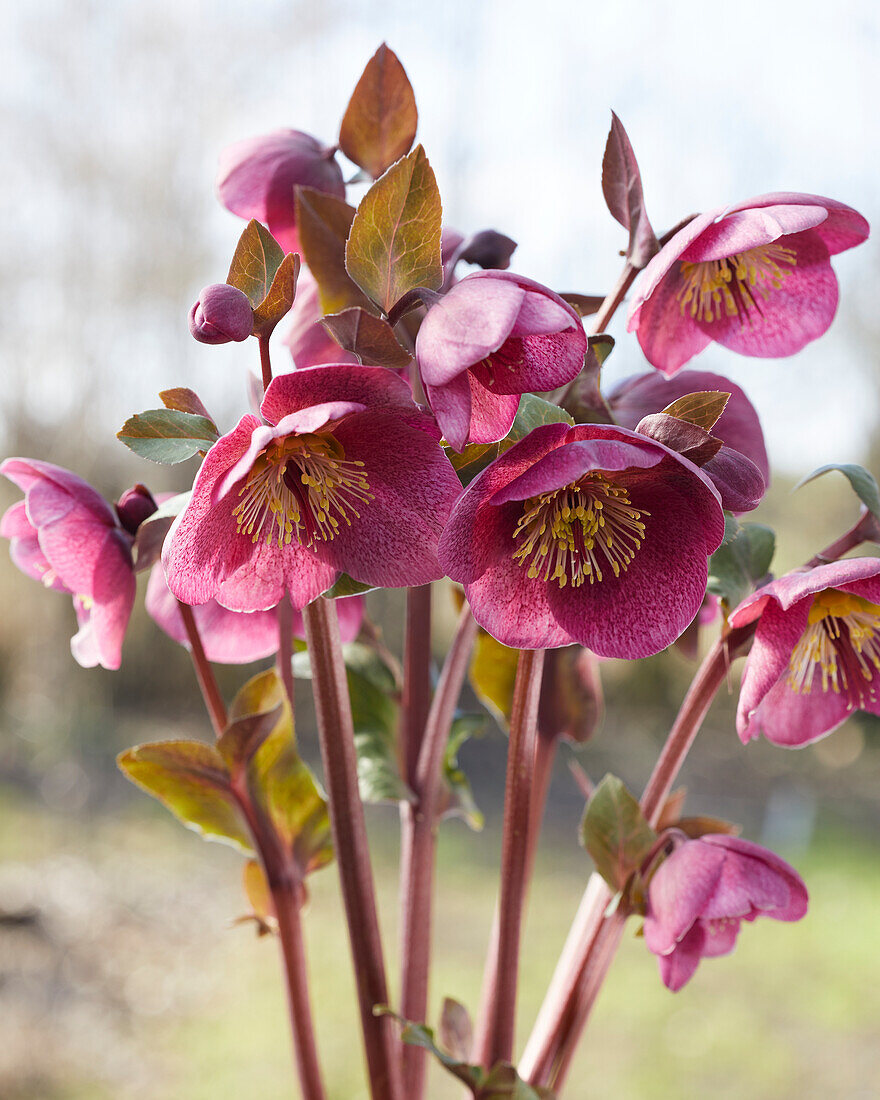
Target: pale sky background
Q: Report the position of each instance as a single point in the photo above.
(114, 114)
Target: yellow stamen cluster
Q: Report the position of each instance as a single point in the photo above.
(570, 534)
(301, 488)
(842, 640)
(714, 288)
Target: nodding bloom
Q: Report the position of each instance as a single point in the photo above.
(816, 654)
(737, 427)
(345, 475)
(257, 178)
(66, 535)
(699, 896)
(236, 637)
(756, 277)
(589, 534)
(493, 337)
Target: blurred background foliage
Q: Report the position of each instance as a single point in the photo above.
(114, 945)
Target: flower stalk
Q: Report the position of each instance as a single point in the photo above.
(336, 736)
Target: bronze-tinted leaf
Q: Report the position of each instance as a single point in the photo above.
(279, 298)
(703, 408)
(688, 439)
(379, 124)
(190, 778)
(585, 305)
(256, 259)
(615, 832)
(622, 188)
(151, 533)
(184, 400)
(394, 244)
(492, 674)
(323, 223)
(371, 338)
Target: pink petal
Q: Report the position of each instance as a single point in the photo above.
(466, 325)
(799, 311)
(678, 967)
(61, 491)
(668, 336)
(451, 405)
(777, 634)
(719, 937)
(678, 893)
(793, 587)
(534, 363)
(843, 228)
(745, 229)
(414, 487)
(491, 414)
(301, 389)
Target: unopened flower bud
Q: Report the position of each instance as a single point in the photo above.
(222, 313)
(134, 506)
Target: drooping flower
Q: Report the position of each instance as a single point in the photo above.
(345, 475)
(701, 893)
(492, 338)
(738, 426)
(257, 178)
(589, 534)
(756, 277)
(816, 654)
(66, 535)
(236, 637)
(221, 313)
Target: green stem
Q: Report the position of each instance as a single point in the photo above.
(418, 847)
(336, 735)
(514, 843)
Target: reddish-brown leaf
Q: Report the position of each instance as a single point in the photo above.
(622, 188)
(280, 297)
(323, 223)
(380, 121)
(371, 338)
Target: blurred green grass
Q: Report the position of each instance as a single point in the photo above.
(794, 1013)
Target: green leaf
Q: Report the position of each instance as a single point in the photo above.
(533, 412)
(491, 674)
(371, 338)
(461, 799)
(167, 436)
(279, 297)
(394, 243)
(375, 717)
(741, 561)
(190, 778)
(323, 223)
(615, 833)
(863, 483)
(501, 1083)
(255, 261)
(379, 124)
(256, 712)
(703, 409)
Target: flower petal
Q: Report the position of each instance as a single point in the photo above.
(302, 389)
(668, 335)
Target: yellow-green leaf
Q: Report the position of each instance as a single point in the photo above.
(394, 243)
(703, 408)
(492, 674)
(190, 778)
(279, 297)
(256, 258)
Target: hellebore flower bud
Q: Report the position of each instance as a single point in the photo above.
(134, 506)
(222, 313)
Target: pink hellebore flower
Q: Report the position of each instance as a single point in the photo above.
(699, 895)
(346, 475)
(589, 534)
(816, 653)
(492, 338)
(67, 536)
(755, 276)
(257, 177)
(236, 637)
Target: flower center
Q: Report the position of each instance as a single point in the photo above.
(302, 488)
(715, 288)
(843, 639)
(570, 534)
